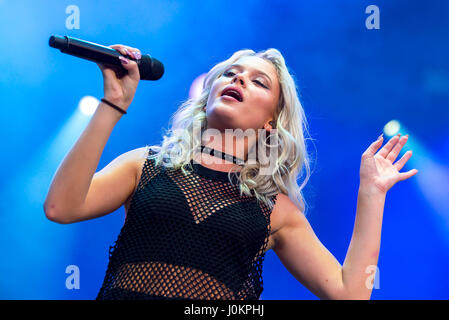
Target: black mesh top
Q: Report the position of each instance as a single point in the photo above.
(188, 237)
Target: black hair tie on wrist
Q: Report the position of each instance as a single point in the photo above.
(114, 106)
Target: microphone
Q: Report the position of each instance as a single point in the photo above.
(149, 67)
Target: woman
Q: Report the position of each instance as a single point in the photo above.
(198, 224)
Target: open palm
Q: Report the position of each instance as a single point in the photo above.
(378, 170)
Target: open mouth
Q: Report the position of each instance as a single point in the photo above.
(232, 93)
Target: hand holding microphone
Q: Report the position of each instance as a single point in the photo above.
(119, 87)
(122, 66)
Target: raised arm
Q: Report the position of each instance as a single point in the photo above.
(75, 193)
(310, 262)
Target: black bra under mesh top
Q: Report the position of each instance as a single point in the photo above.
(188, 237)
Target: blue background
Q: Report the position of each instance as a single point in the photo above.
(352, 82)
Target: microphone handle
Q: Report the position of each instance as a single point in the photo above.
(87, 50)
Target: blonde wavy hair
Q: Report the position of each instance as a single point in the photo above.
(179, 142)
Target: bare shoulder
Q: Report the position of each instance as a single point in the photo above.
(132, 159)
(138, 155)
(285, 215)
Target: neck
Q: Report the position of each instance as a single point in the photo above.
(228, 143)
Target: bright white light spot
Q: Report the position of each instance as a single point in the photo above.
(88, 105)
(197, 86)
(392, 127)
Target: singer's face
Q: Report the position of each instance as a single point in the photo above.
(258, 82)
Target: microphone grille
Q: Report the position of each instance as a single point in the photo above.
(150, 68)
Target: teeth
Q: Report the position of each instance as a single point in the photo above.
(237, 95)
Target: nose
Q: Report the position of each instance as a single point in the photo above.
(238, 78)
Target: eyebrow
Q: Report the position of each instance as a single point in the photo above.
(258, 71)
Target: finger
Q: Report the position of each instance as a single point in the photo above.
(138, 55)
(120, 48)
(373, 147)
(127, 51)
(135, 49)
(397, 149)
(133, 53)
(136, 52)
(388, 146)
(408, 174)
(131, 67)
(401, 162)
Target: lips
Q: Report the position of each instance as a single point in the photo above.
(234, 92)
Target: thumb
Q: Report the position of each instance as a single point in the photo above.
(131, 67)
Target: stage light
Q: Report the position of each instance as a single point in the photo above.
(392, 128)
(88, 105)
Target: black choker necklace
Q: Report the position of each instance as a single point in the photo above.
(222, 155)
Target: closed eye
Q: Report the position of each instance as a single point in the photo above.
(261, 83)
(229, 73)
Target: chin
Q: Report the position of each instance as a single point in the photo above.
(220, 118)
(224, 110)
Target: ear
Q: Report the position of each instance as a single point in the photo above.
(269, 125)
